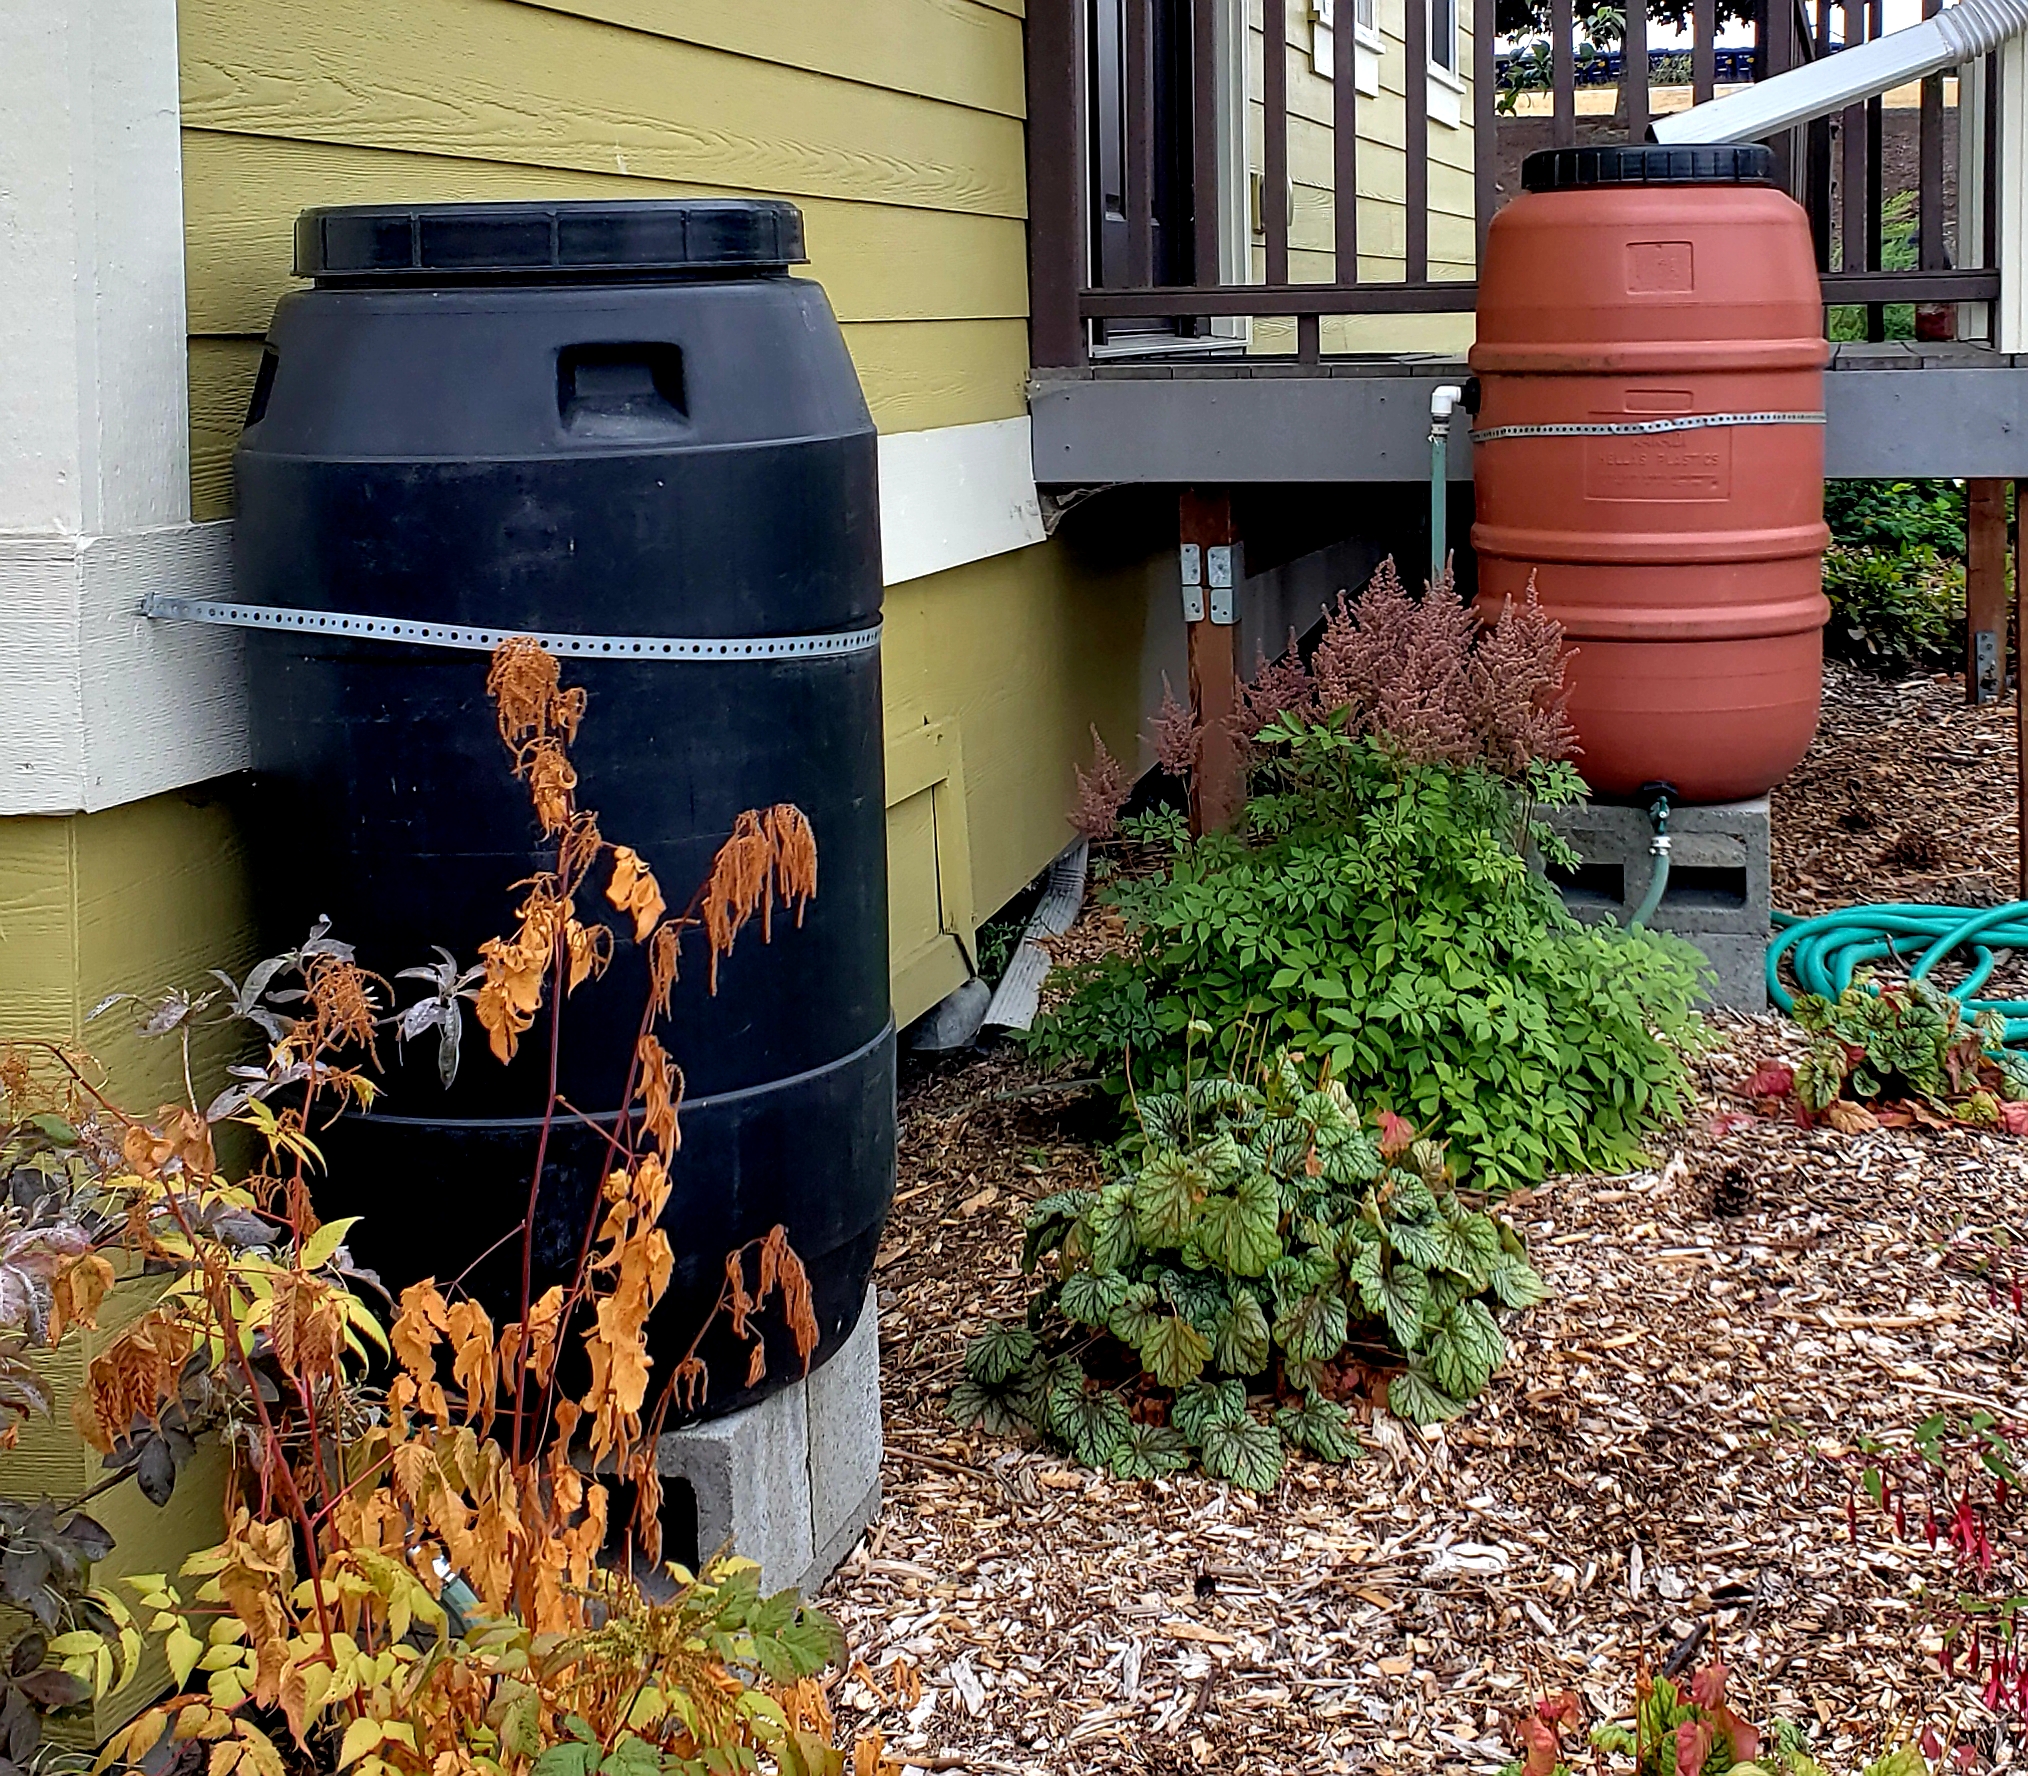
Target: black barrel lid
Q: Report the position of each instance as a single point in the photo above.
(638, 236)
(1647, 163)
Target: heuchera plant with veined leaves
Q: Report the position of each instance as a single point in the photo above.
(1260, 1253)
(1687, 1729)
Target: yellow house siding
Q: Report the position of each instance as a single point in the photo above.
(895, 124)
(1023, 652)
(499, 80)
(137, 899)
(1381, 120)
(940, 49)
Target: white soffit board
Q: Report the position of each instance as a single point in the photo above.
(956, 494)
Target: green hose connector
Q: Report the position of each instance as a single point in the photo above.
(1826, 951)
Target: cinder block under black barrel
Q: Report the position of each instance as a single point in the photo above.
(586, 420)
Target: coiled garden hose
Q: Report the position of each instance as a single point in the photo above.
(1826, 951)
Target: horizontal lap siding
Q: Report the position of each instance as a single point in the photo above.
(895, 124)
(1024, 652)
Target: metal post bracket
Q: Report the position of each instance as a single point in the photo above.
(1191, 561)
(1218, 570)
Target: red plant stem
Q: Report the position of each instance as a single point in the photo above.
(277, 1457)
(556, 986)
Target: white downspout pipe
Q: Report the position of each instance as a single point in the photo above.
(1957, 34)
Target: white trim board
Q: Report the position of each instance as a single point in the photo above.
(956, 494)
(104, 706)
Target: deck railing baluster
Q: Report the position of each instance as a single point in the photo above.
(1415, 140)
(1817, 152)
(1204, 205)
(1876, 212)
(1345, 143)
(1634, 69)
(1485, 124)
(1059, 246)
(1140, 78)
(1852, 217)
(1274, 193)
(1929, 163)
(1989, 223)
(1563, 71)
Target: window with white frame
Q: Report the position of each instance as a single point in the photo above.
(1366, 15)
(1443, 35)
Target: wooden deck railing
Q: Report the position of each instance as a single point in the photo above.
(1857, 226)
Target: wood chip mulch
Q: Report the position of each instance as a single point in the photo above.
(1652, 1461)
(1907, 794)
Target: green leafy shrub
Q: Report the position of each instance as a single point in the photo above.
(1260, 1237)
(1894, 611)
(1376, 909)
(1897, 515)
(1895, 574)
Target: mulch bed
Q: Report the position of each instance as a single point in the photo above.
(1907, 794)
(1652, 1460)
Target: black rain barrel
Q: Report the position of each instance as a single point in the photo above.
(610, 423)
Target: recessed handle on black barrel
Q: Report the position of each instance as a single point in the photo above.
(606, 389)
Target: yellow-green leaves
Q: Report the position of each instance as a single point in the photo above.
(1174, 1351)
(322, 1246)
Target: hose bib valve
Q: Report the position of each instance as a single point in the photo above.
(1661, 795)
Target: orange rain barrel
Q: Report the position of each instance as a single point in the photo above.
(1649, 444)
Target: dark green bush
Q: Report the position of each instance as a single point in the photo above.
(1895, 574)
(1897, 515)
(1894, 610)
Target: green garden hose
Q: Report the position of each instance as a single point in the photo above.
(1826, 951)
(1658, 875)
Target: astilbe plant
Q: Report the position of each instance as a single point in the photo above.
(410, 1580)
(1261, 1254)
(1376, 907)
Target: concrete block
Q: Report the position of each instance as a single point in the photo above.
(793, 1481)
(845, 1445)
(750, 1473)
(1740, 962)
(1719, 882)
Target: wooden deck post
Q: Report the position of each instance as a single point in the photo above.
(1219, 788)
(1985, 590)
(1056, 219)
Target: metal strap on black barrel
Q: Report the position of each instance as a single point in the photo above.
(451, 635)
(1645, 428)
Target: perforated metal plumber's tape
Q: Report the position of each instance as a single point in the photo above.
(1646, 428)
(446, 635)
